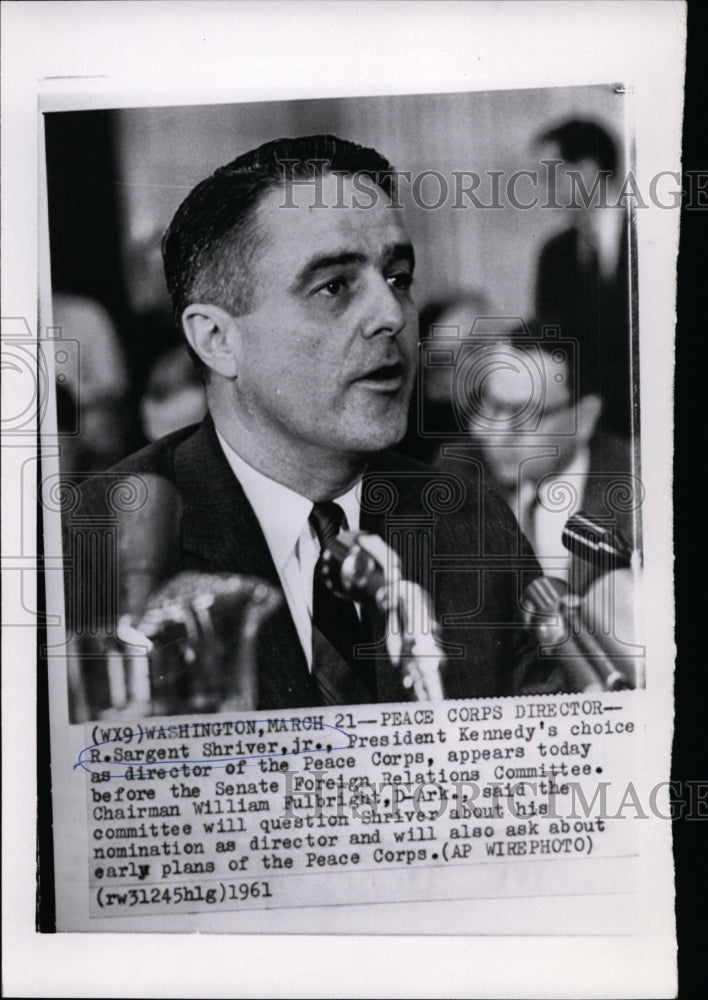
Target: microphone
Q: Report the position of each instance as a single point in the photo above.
(555, 614)
(349, 570)
(204, 629)
(605, 548)
(148, 510)
(352, 566)
(148, 536)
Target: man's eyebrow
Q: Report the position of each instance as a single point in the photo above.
(322, 263)
(391, 253)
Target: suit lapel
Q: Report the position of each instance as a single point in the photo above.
(221, 534)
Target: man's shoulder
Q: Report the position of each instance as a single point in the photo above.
(564, 241)
(614, 487)
(610, 452)
(97, 490)
(156, 457)
(454, 492)
(425, 482)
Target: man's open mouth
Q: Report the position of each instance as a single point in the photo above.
(389, 376)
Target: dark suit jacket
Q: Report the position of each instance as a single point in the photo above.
(455, 538)
(593, 310)
(613, 496)
(612, 490)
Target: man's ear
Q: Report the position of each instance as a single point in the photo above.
(589, 410)
(212, 335)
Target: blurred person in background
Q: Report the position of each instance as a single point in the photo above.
(174, 395)
(98, 387)
(582, 281)
(538, 425)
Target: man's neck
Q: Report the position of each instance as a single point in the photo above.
(311, 472)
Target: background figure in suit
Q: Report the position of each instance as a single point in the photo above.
(583, 272)
(301, 321)
(542, 441)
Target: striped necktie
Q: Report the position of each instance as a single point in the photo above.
(336, 628)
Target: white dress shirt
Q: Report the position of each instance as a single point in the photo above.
(603, 235)
(284, 519)
(542, 510)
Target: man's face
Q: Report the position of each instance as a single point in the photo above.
(526, 421)
(326, 355)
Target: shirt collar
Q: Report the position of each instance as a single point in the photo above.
(577, 469)
(281, 512)
(532, 492)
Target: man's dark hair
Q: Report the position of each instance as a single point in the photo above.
(211, 241)
(580, 139)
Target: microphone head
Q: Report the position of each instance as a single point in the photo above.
(602, 545)
(544, 604)
(350, 571)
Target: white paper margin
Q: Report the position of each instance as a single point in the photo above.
(169, 53)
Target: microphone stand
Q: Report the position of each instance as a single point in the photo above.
(563, 619)
(555, 613)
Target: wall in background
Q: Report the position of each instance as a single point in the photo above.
(164, 152)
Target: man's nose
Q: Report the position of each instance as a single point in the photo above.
(386, 311)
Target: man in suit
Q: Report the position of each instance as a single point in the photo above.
(583, 271)
(539, 431)
(537, 436)
(290, 272)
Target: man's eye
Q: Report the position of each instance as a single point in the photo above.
(333, 287)
(401, 280)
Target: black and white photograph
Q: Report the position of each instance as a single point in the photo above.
(477, 421)
(344, 415)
